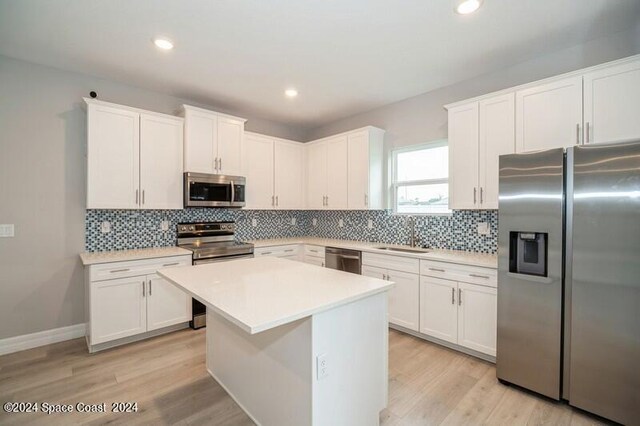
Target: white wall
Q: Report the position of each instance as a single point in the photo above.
(422, 118)
(42, 188)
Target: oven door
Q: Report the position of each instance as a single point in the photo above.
(222, 259)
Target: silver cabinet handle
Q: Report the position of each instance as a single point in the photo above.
(220, 164)
(323, 264)
(587, 127)
(384, 277)
(313, 251)
(233, 192)
(475, 190)
(436, 269)
(150, 288)
(481, 195)
(215, 164)
(265, 253)
(273, 200)
(143, 197)
(119, 270)
(277, 201)
(327, 201)
(288, 251)
(143, 288)
(171, 264)
(137, 191)
(459, 296)
(479, 276)
(453, 296)
(578, 134)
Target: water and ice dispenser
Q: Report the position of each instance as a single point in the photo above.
(528, 253)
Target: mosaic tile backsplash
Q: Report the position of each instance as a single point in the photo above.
(142, 228)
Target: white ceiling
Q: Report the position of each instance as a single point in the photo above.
(344, 56)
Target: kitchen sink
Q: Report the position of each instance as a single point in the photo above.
(404, 250)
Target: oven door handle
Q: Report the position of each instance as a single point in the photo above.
(233, 192)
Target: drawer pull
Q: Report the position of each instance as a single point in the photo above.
(171, 264)
(436, 269)
(119, 270)
(288, 251)
(264, 253)
(313, 251)
(479, 276)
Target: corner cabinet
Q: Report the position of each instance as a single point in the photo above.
(479, 132)
(212, 142)
(345, 171)
(134, 158)
(127, 301)
(274, 171)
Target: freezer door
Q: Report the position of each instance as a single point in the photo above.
(531, 203)
(605, 281)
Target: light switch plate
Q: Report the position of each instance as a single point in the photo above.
(293, 221)
(315, 222)
(483, 228)
(164, 225)
(340, 223)
(254, 222)
(105, 227)
(322, 366)
(7, 230)
(370, 224)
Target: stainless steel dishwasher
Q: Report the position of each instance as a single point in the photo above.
(343, 259)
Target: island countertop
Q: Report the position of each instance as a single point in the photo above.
(262, 293)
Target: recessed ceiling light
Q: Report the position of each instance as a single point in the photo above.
(465, 7)
(163, 43)
(291, 93)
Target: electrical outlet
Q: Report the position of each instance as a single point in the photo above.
(164, 225)
(315, 222)
(341, 223)
(293, 221)
(7, 231)
(370, 224)
(105, 227)
(483, 228)
(322, 366)
(254, 222)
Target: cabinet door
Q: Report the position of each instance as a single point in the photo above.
(612, 104)
(113, 152)
(549, 116)
(337, 166)
(358, 171)
(373, 272)
(199, 136)
(289, 175)
(438, 309)
(160, 162)
(229, 141)
(118, 309)
(497, 137)
(166, 304)
(258, 166)
(404, 300)
(477, 312)
(318, 261)
(463, 157)
(316, 175)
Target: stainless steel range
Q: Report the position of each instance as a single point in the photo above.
(210, 242)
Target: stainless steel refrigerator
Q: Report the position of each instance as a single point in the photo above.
(569, 276)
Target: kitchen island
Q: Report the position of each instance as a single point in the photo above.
(294, 344)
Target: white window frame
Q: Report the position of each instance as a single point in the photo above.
(395, 184)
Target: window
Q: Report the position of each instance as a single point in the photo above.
(420, 179)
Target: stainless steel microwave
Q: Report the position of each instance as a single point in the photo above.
(209, 190)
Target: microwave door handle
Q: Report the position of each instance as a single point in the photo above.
(233, 192)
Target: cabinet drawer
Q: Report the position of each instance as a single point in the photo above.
(314, 251)
(456, 272)
(395, 263)
(132, 268)
(277, 251)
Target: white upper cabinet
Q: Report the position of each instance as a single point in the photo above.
(212, 142)
(612, 103)
(134, 158)
(317, 175)
(258, 165)
(463, 156)
(337, 174)
(160, 162)
(496, 138)
(549, 115)
(113, 141)
(345, 171)
(365, 174)
(274, 169)
(289, 175)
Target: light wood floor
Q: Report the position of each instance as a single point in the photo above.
(428, 385)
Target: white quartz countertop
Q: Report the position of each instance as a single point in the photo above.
(92, 258)
(452, 256)
(262, 293)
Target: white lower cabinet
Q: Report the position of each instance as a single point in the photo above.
(403, 297)
(126, 299)
(438, 310)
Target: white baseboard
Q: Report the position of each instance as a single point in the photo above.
(28, 341)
